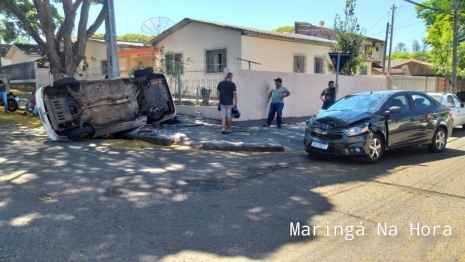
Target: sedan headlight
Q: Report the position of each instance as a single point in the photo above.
(356, 130)
(310, 120)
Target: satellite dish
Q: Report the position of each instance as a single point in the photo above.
(155, 26)
(322, 23)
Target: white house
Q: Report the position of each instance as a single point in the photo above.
(215, 46)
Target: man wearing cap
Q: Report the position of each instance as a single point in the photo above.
(226, 93)
(277, 96)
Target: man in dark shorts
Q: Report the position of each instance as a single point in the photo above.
(226, 93)
(328, 96)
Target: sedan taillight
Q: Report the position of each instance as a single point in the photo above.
(449, 111)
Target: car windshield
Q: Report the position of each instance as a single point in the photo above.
(437, 98)
(363, 102)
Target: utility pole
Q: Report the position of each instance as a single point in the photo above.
(112, 56)
(454, 51)
(385, 48)
(390, 43)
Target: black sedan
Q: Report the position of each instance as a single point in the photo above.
(364, 125)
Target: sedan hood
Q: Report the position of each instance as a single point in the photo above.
(342, 118)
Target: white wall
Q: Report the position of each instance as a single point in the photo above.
(193, 39)
(276, 55)
(253, 87)
(5, 62)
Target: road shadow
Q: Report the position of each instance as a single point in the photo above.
(86, 200)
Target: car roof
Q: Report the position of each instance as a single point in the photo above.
(390, 92)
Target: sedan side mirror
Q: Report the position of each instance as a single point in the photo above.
(392, 110)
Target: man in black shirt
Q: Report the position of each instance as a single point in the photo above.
(226, 93)
(328, 95)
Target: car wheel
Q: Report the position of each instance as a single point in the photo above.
(439, 141)
(12, 104)
(376, 150)
(85, 132)
(71, 81)
(145, 71)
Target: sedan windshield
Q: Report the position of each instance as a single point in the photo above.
(437, 98)
(363, 102)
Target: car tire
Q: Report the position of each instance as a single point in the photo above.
(439, 141)
(142, 72)
(376, 150)
(84, 132)
(12, 104)
(71, 81)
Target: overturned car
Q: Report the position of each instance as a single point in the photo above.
(71, 109)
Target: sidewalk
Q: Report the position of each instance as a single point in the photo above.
(246, 136)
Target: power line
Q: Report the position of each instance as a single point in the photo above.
(397, 28)
(378, 21)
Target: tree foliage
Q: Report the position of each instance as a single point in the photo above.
(400, 47)
(284, 29)
(416, 46)
(349, 39)
(440, 35)
(134, 38)
(40, 20)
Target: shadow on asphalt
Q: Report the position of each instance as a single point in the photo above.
(84, 201)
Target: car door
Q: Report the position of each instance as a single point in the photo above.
(401, 127)
(455, 111)
(460, 111)
(423, 108)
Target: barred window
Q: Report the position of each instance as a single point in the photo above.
(300, 64)
(215, 60)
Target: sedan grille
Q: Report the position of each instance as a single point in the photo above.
(326, 136)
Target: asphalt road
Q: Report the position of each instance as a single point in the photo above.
(98, 200)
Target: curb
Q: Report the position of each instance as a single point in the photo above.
(162, 140)
(156, 140)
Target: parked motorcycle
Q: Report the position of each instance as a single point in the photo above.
(12, 101)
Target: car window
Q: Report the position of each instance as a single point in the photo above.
(450, 101)
(400, 101)
(421, 101)
(370, 102)
(457, 101)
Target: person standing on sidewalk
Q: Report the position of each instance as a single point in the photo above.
(4, 94)
(328, 95)
(226, 93)
(277, 96)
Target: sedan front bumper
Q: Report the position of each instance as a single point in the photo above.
(355, 146)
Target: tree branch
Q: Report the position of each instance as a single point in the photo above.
(11, 6)
(97, 23)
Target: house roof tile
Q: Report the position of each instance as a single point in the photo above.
(244, 31)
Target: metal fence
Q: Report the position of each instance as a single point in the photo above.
(193, 81)
(417, 83)
(22, 71)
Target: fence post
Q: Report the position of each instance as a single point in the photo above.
(179, 86)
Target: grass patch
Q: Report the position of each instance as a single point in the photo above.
(17, 119)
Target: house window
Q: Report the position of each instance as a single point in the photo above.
(104, 67)
(368, 50)
(215, 60)
(176, 63)
(300, 62)
(319, 65)
(363, 70)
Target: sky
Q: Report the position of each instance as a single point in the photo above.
(269, 14)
